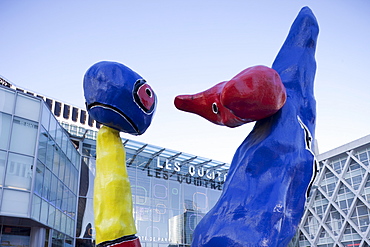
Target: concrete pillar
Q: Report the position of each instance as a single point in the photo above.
(38, 235)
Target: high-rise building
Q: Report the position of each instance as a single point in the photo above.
(39, 174)
(338, 210)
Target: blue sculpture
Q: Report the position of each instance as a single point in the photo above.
(267, 185)
(118, 97)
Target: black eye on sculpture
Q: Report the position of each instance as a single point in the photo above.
(214, 108)
(149, 92)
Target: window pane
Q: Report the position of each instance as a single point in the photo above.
(83, 117)
(74, 114)
(6, 101)
(2, 166)
(57, 154)
(47, 184)
(63, 222)
(59, 134)
(62, 167)
(36, 206)
(44, 212)
(70, 227)
(53, 127)
(53, 190)
(24, 135)
(45, 116)
(51, 217)
(73, 180)
(66, 111)
(50, 153)
(59, 195)
(15, 202)
(57, 108)
(40, 170)
(27, 107)
(67, 173)
(19, 171)
(43, 143)
(66, 195)
(71, 204)
(65, 141)
(57, 223)
(4, 130)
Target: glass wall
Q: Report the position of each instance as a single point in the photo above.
(171, 192)
(39, 166)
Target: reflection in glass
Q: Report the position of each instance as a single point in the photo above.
(160, 191)
(201, 201)
(19, 172)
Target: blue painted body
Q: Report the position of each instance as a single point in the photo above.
(111, 94)
(265, 191)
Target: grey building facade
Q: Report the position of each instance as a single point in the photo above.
(338, 209)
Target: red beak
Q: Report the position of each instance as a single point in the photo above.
(253, 94)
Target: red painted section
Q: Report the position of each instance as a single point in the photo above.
(146, 96)
(130, 243)
(253, 94)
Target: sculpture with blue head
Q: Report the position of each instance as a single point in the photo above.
(121, 100)
(118, 97)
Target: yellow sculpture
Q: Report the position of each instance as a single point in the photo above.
(112, 191)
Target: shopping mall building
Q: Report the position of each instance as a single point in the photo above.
(47, 168)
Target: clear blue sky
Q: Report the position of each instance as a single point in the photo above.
(183, 47)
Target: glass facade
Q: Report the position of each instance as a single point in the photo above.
(39, 174)
(171, 192)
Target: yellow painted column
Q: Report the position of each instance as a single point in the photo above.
(112, 191)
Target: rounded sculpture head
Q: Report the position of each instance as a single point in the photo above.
(118, 97)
